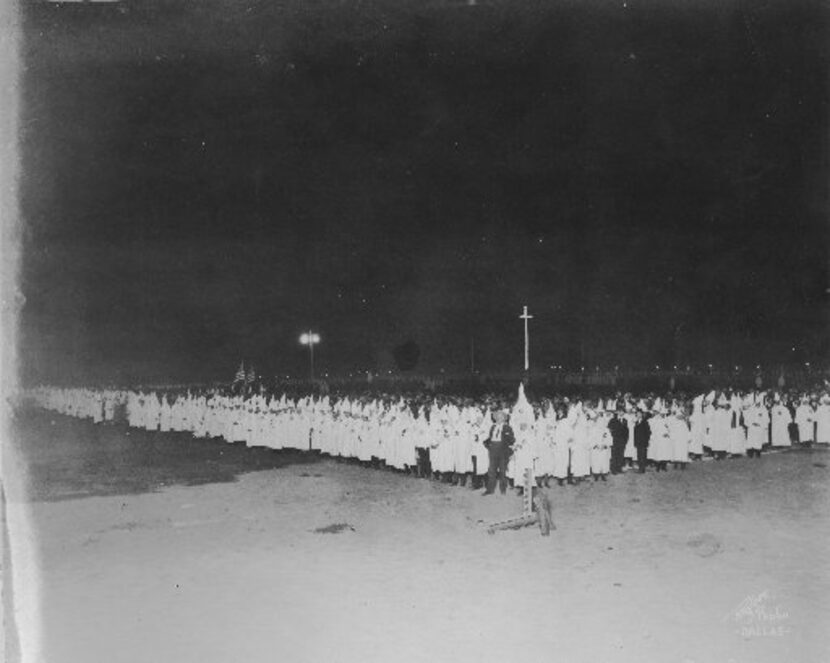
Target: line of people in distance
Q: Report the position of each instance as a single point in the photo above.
(492, 441)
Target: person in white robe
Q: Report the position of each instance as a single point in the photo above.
(523, 422)
(580, 445)
(697, 423)
(267, 417)
(109, 407)
(737, 439)
(97, 403)
(600, 446)
(176, 402)
(440, 449)
(165, 414)
(152, 419)
(387, 434)
(446, 450)
(481, 422)
(720, 428)
(545, 430)
(805, 417)
(562, 443)
(681, 436)
(342, 411)
(823, 420)
(375, 420)
(422, 433)
(780, 418)
(660, 444)
(186, 412)
(757, 421)
(464, 435)
(363, 442)
(412, 438)
(630, 418)
(237, 428)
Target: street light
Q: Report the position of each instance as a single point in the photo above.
(310, 339)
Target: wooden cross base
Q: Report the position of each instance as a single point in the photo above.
(540, 515)
(513, 523)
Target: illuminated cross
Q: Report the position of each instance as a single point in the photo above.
(525, 316)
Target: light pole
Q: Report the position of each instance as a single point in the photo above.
(310, 339)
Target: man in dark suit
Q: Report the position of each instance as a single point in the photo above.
(619, 438)
(642, 435)
(499, 445)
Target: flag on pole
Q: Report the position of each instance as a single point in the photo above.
(240, 374)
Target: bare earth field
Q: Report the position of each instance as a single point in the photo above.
(158, 547)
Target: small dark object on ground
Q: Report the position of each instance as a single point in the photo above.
(334, 528)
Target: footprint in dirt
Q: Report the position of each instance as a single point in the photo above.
(705, 545)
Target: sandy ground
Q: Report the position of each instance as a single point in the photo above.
(228, 566)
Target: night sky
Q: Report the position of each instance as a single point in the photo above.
(202, 181)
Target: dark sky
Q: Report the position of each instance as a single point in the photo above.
(203, 181)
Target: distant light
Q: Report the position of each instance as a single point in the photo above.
(309, 338)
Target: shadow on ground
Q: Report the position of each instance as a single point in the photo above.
(69, 458)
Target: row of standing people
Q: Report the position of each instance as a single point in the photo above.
(564, 440)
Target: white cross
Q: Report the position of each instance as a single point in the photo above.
(525, 316)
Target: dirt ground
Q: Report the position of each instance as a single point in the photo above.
(158, 547)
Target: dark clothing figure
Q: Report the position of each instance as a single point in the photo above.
(642, 435)
(499, 445)
(424, 468)
(619, 438)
